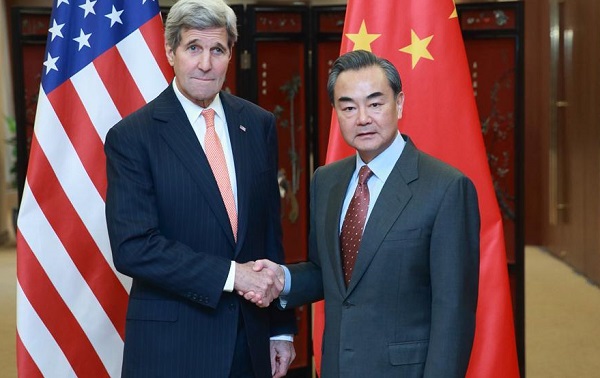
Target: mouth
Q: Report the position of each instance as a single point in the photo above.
(202, 79)
(364, 134)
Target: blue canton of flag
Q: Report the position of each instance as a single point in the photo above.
(81, 30)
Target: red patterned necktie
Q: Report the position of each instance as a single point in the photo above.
(354, 223)
(216, 159)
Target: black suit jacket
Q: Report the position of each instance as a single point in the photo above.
(170, 232)
(409, 310)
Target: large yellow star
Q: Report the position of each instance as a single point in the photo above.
(362, 40)
(417, 48)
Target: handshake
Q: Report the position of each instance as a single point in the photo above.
(259, 281)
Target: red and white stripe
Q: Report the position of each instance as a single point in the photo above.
(71, 302)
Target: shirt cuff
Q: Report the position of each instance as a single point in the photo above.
(289, 338)
(287, 286)
(230, 278)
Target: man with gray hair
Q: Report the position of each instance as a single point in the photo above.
(192, 201)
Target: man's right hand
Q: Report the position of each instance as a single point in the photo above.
(260, 265)
(260, 286)
(267, 267)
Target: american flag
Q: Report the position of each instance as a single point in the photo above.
(103, 60)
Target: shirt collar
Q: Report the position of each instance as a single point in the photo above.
(382, 164)
(193, 111)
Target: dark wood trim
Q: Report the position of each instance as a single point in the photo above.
(18, 42)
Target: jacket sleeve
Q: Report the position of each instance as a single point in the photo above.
(454, 264)
(139, 248)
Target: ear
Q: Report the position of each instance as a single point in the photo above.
(230, 48)
(400, 104)
(170, 54)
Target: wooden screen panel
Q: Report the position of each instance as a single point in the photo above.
(232, 78)
(493, 36)
(277, 44)
(230, 84)
(29, 33)
(279, 22)
(327, 28)
(492, 65)
(488, 19)
(281, 90)
(331, 20)
(327, 52)
(33, 57)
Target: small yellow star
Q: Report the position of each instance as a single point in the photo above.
(417, 48)
(453, 14)
(362, 40)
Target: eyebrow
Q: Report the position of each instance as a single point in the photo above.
(192, 42)
(196, 41)
(374, 95)
(369, 97)
(221, 46)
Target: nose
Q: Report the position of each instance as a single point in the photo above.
(204, 62)
(363, 117)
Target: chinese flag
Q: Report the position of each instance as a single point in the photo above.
(423, 40)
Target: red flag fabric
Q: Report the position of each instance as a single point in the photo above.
(424, 41)
(103, 60)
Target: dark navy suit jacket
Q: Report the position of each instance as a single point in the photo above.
(170, 232)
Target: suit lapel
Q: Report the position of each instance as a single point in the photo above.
(180, 136)
(335, 201)
(241, 152)
(392, 200)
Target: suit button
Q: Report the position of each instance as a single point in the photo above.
(231, 306)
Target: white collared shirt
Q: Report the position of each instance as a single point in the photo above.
(381, 167)
(198, 123)
(194, 115)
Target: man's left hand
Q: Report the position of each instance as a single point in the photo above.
(282, 355)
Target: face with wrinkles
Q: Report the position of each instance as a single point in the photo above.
(200, 63)
(367, 110)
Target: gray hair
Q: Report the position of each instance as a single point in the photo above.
(355, 60)
(200, 15)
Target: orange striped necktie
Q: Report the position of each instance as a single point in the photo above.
(218, 165)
